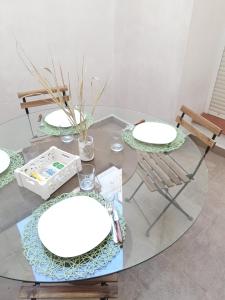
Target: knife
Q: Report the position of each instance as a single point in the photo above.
(114, 233)
(130, 127)
(139, 122)
(117, 226)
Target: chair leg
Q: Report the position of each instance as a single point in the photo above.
(142, 212)
(172, 202)
(156, 220)
(135, 191)
(190, 218)
(104, 298)
(31, 128)
(168, 197)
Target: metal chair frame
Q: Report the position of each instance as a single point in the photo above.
(147, 173)
(25, 104)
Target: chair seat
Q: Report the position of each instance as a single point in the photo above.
(160, 171)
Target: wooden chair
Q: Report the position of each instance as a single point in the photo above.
(30, 100)
(160, 172)
(102, 288)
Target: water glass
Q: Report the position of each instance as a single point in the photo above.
(117, 143)
(65, 138)
(87, 178)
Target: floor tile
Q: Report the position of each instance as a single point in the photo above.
(158, 280)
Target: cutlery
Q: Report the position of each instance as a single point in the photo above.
(139, 122)
(117, 226)
(114, 232)
(131, 126)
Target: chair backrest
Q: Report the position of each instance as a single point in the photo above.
(29, 98)
(34, 98)
(198, 119)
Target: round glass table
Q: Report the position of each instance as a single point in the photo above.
(18, 203)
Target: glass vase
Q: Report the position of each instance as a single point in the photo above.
(86, 148)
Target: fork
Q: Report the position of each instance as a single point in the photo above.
(109, 207)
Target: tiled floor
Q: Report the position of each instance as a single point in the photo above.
(193, 268)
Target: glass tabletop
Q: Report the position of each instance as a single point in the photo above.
(17, 203)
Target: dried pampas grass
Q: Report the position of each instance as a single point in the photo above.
(53, 84)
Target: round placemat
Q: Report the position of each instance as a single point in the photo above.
(48, 264)
(138, 145)
(57, 131)
(16, 161)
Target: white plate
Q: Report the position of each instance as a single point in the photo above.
(4, 161)
(58, 118)
(154, 133)
(74, 226)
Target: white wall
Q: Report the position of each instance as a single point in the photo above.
(206, 42)
(150, 44)
(158, 53)
(69, 29)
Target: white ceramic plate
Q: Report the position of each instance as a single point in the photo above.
(58, 118)
(4, 161)
(154, 133)
(74, 226)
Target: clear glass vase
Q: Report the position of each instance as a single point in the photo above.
(86, 148)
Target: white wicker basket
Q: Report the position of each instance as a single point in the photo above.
(71, 165)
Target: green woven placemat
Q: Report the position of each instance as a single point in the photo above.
(16, 161)
(52, 130)
(48, 264)
(137, 145)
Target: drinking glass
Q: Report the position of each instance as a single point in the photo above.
(65, 138)
(117, 143)
(87, 178)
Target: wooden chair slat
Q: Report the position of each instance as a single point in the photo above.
(172, 175)
(37, 92)
(150, 173)
(107, 278)
(201, 120)
(175, 167)
(69, 292)
(40, 102)
(92, 288)
(163, 176)
(151, 186)
(201, 136)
